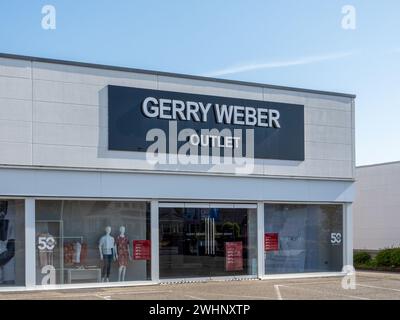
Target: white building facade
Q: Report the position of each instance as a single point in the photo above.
(84, 205)
(376, 207)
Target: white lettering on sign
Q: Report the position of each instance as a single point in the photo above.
(197, 111)
(214, 141)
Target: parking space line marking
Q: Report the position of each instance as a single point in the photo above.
(237, 295)
(278, 292)
(138, 292)
(375, 287)
(325, 292)
(315, 282)
(193, 297)
(327, 282)
(78, 295)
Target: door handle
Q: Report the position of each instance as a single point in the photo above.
(205, 235)
(209, 224)
(210, 236)
(213, 231)
(206, 226)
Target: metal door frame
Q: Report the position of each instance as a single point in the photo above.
(217, 205)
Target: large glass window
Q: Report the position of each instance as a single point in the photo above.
(303, 238)
(207, 242)
(12, 243)
(92, 241)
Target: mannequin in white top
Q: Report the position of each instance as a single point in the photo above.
(123, 253)
(107, 253)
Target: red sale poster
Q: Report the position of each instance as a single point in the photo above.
(141, 250)
(271, 241)
(233, 256)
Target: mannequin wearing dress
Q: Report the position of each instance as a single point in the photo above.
(107, 253)
(123, 253)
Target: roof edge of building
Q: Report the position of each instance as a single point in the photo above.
(378, 164)
(171, 74)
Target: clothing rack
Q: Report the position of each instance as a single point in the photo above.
(73, 237)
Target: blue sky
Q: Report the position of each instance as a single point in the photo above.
(287, 42)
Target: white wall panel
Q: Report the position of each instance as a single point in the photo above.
(66, 92)
(15, 153)
(328, 151)
(284, 96)
(61, 113)
(98, 77)
(328, 134)
(15, 109)
(15, 68)
(15, 131)
(329, 117)
(87, 157)
(328, 102)
(66, 135)
(209, 88)
(15, 88)
(328, 168)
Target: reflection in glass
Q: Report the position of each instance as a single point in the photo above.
(205, 242)
(90, 241)
(303, 238)
(12, 242)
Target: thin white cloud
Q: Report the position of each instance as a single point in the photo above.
(277, 64)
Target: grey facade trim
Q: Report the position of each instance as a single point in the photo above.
(171, 74)
(87, 184)
(165, 172)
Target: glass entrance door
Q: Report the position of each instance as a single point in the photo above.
(207, 241)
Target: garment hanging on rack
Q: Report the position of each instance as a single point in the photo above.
(83, 253)
(75, 253)
(68, 253)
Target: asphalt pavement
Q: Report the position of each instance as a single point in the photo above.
(368, 286)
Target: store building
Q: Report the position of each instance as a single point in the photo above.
(376, 207)
(117, 176)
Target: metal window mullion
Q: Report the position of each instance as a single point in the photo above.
(260, 240)
(154, 234)
(30, 243)
(348, 234)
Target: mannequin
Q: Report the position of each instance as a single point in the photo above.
(107, 253)
(123, 253)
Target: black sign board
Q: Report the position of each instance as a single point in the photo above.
(132, 112)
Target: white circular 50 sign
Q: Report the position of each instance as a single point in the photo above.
(46, 243)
